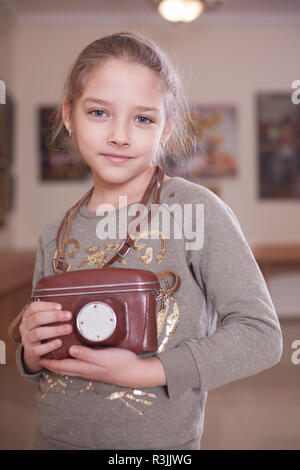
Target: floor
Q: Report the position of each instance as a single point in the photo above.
(260, 412)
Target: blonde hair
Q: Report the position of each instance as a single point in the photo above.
(140, 50)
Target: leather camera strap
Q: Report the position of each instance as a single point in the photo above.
(124, 248)
(128, 243)
(164, 275)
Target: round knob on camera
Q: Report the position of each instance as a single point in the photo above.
(96, 321)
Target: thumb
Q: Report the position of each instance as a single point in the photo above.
(86, 354)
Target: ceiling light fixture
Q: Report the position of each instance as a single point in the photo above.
(177, 11)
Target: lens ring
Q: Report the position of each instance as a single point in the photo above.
(96, 321)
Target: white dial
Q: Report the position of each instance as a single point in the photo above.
(96, 321)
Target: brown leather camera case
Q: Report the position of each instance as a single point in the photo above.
(136, 319)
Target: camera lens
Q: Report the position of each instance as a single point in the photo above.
(96, 321)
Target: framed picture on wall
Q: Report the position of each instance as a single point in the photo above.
(278, 146)
(7, 139)
(4, 195)
(7, 123)
(58, 165)
(215, 152)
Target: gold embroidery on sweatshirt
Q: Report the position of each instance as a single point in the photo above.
(161, 315)
(172, 323)
(49, 383)
(148, 256)
(95, 258)
(60, 382)
(99, 257)
(73, 253)
(92, 250)
(129, 393)
(112, 246)
(90, 386)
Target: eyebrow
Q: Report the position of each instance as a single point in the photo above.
(105, 102)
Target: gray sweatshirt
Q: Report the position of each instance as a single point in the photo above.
(220, 279)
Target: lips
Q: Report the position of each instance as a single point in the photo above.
(116, 158)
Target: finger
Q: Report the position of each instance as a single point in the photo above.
(46, 332)
(46, 317)
(104, 357)
(40, 306)
(92, 356)
(39, 349)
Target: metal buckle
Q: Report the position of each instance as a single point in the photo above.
(159, 295)
(128, 248)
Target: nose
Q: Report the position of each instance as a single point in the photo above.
(118, 136)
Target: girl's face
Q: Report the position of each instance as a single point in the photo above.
(110, 117)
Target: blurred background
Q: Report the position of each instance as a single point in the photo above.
(239, 64)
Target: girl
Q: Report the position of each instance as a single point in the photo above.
(124, 111)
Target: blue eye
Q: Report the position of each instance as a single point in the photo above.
(149, 120)
(96, 111)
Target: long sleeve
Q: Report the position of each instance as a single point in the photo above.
(249, 339)
(38, 274)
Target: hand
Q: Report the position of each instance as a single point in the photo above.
(33, 332)
(112, 365)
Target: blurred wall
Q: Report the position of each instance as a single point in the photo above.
(220, 64)
(6, 74)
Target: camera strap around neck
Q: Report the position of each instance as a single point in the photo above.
(124, 248)
(58, 262)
